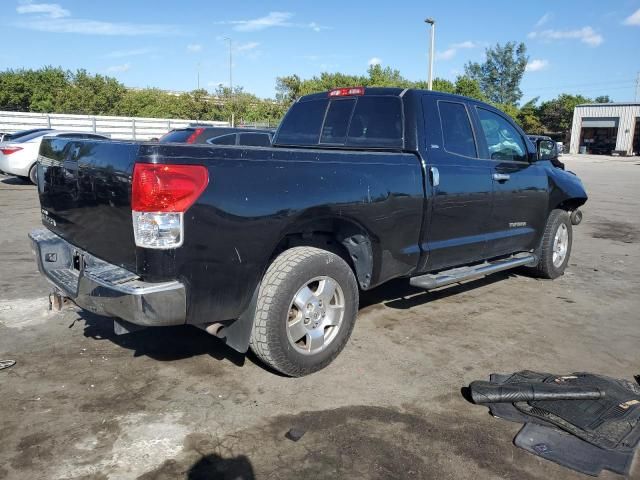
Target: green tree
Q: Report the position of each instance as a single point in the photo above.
(469, 87)
(385, 77)
(603, 99)
(500, 75)
(288, 89)
(529, 119)
(557, 114)
(439, 85)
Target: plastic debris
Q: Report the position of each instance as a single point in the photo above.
(6, 364)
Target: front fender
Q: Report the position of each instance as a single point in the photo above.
(566, 190)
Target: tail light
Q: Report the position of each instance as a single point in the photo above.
(196, 133)
(160, 194)
(10, 150)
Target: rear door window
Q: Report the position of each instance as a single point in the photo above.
(457, 134)
(336, 122)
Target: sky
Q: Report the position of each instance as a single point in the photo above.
(589, 47)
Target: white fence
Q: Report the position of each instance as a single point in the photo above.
(126, 128)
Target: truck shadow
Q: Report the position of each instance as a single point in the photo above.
(398, 294)
(209, 467)
(176, 343)
(161, 343)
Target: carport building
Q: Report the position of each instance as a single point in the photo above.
(606, 128)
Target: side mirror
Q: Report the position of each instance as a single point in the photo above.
(547, 150)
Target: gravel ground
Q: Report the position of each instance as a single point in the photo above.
(176, 403)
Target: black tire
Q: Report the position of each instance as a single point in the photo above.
(546, 268)
(289, 272)
(33, 174)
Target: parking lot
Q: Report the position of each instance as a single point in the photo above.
(176, 403)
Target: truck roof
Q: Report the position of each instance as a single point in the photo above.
(390, 92)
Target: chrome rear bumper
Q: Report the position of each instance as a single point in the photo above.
(104, 288)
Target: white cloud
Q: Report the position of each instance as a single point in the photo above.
(586, 35)
(51, 10)
(633, 19)
(467, 44)
(328, 66)
(125, 67)
(50, 17)
(194, 47)
(543, 19)
(272, 19)
(314, 26)
(375, 61)
(128, 53)
(244, 47)
(536, 65)
(96, 27)
(447, 54)
(451, 52)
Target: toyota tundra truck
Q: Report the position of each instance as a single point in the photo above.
(268, 248)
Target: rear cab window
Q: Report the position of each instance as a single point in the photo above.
(369, 121)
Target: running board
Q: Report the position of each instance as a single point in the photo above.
(462, 274)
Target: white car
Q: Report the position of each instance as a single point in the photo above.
(18, 156)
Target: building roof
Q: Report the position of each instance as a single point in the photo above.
(612, 104)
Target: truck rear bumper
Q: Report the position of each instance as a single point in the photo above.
(106, 289)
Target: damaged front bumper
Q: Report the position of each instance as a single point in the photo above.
(104, 288)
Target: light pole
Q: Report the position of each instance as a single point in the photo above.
(431, 22)
(231, 79)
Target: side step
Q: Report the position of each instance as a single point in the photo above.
(461, 274)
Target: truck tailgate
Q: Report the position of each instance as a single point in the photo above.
(85, 196)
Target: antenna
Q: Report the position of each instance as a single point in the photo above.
(638, 88)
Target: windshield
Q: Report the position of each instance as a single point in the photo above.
(30, 136)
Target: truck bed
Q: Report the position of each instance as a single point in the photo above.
(256, 197)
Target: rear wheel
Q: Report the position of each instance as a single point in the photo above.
(556, 245)
(306, 310)
(33, 174)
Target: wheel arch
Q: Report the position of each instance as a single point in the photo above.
(342, 236)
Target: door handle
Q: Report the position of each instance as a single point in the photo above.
(501, 177)
(435, 176)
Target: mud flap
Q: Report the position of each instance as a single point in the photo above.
(237, 334)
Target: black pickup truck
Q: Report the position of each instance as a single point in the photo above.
(269, 247)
